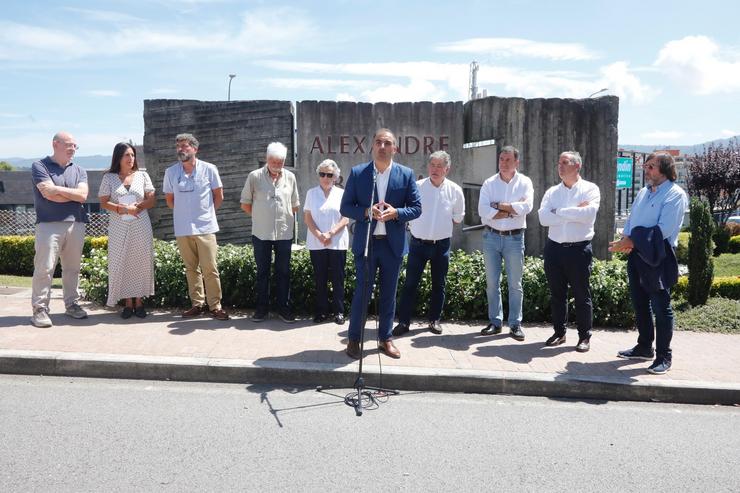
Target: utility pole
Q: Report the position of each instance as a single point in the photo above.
(231, 77)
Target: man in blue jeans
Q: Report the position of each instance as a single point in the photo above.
(270, 196)
(442, 204)
(505, 200)
(658, 208)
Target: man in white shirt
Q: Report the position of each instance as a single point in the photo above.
(505, 200)
(442, 204)
(569, 211)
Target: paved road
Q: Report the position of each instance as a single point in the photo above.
(67, 434)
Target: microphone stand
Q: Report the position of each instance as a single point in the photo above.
(362, 392)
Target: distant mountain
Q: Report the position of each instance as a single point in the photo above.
(87, 162)
(683, 149)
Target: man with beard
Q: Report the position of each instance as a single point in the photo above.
(650, 236)
(396, 201)
(270, 196)
(193, 190)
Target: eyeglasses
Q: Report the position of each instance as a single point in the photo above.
(326, 175)
(69, 145)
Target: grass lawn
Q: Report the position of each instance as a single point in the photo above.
(24, 282)
(727, 265)
(718, 315)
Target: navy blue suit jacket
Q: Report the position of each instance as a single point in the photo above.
(402, 193)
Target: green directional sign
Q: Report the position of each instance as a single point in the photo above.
(624, 172)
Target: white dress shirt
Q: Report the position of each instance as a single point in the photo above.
(570, 223)
(519, 192)
(440, 207)
(381, 183)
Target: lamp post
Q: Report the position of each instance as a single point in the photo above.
(598, 92)
(231, 77)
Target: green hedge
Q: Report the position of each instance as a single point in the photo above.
(17, 252)
(466, 284)
(722, 287)
(734, 245)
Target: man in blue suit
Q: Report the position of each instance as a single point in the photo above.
(396, 201)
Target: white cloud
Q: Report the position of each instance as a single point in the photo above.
(664, 135)
(729, 133)
(104, 93)
(698, 63)
(163, 91)
(620, 81)
(343, 96)
(415, 90)
(507, 47)
(255, 35)
(320, 84)
(104, 15)
(440, 81)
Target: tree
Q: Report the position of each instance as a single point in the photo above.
(715, 175)
(701, 264)
(6, 166)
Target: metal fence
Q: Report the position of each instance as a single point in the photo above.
(23, 223)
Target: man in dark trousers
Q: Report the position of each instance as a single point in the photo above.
(396, 201)
(569, 211)
(653, 226)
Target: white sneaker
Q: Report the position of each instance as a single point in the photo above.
(40, 318)
(75, 311)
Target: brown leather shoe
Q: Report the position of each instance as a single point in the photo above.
(353, 349)
(219, 314)
(389, 349)
(195, 311)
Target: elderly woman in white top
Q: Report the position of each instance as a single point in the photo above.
(327, 241)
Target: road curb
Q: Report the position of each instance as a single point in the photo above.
(191, 369)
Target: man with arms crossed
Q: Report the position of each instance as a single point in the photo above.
(59, 192)
(569, 211)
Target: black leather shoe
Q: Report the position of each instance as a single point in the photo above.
(127, 312)
(339, 319)
(140, 311)
(555, 340)
(400, 329)
(584, 345)
(491, 330)
(516, 333)
(319, 318)
(259, 316)
(435, 327)
(353, 349)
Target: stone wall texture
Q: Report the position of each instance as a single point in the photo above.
(234, 136)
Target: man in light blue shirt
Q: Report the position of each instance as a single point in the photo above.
(193, 190)
(661, 204)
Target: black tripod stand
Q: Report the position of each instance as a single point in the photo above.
(365, 397)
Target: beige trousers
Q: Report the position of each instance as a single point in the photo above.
(199, 256)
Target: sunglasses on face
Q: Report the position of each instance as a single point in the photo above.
(326, 175)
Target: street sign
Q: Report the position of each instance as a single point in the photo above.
(624, 172)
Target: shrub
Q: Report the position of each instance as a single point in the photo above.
(721, 239)
(701, 267)
(725, 287)
(682, 250)
(718, 315)
(734, 244)
(17, 252)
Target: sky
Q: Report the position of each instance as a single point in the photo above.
(87, 66)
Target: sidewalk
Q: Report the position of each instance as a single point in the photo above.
(166, 346)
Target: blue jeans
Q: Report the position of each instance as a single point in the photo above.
(438, 255)
(263, 258)
(647, 304)
(510, 249)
